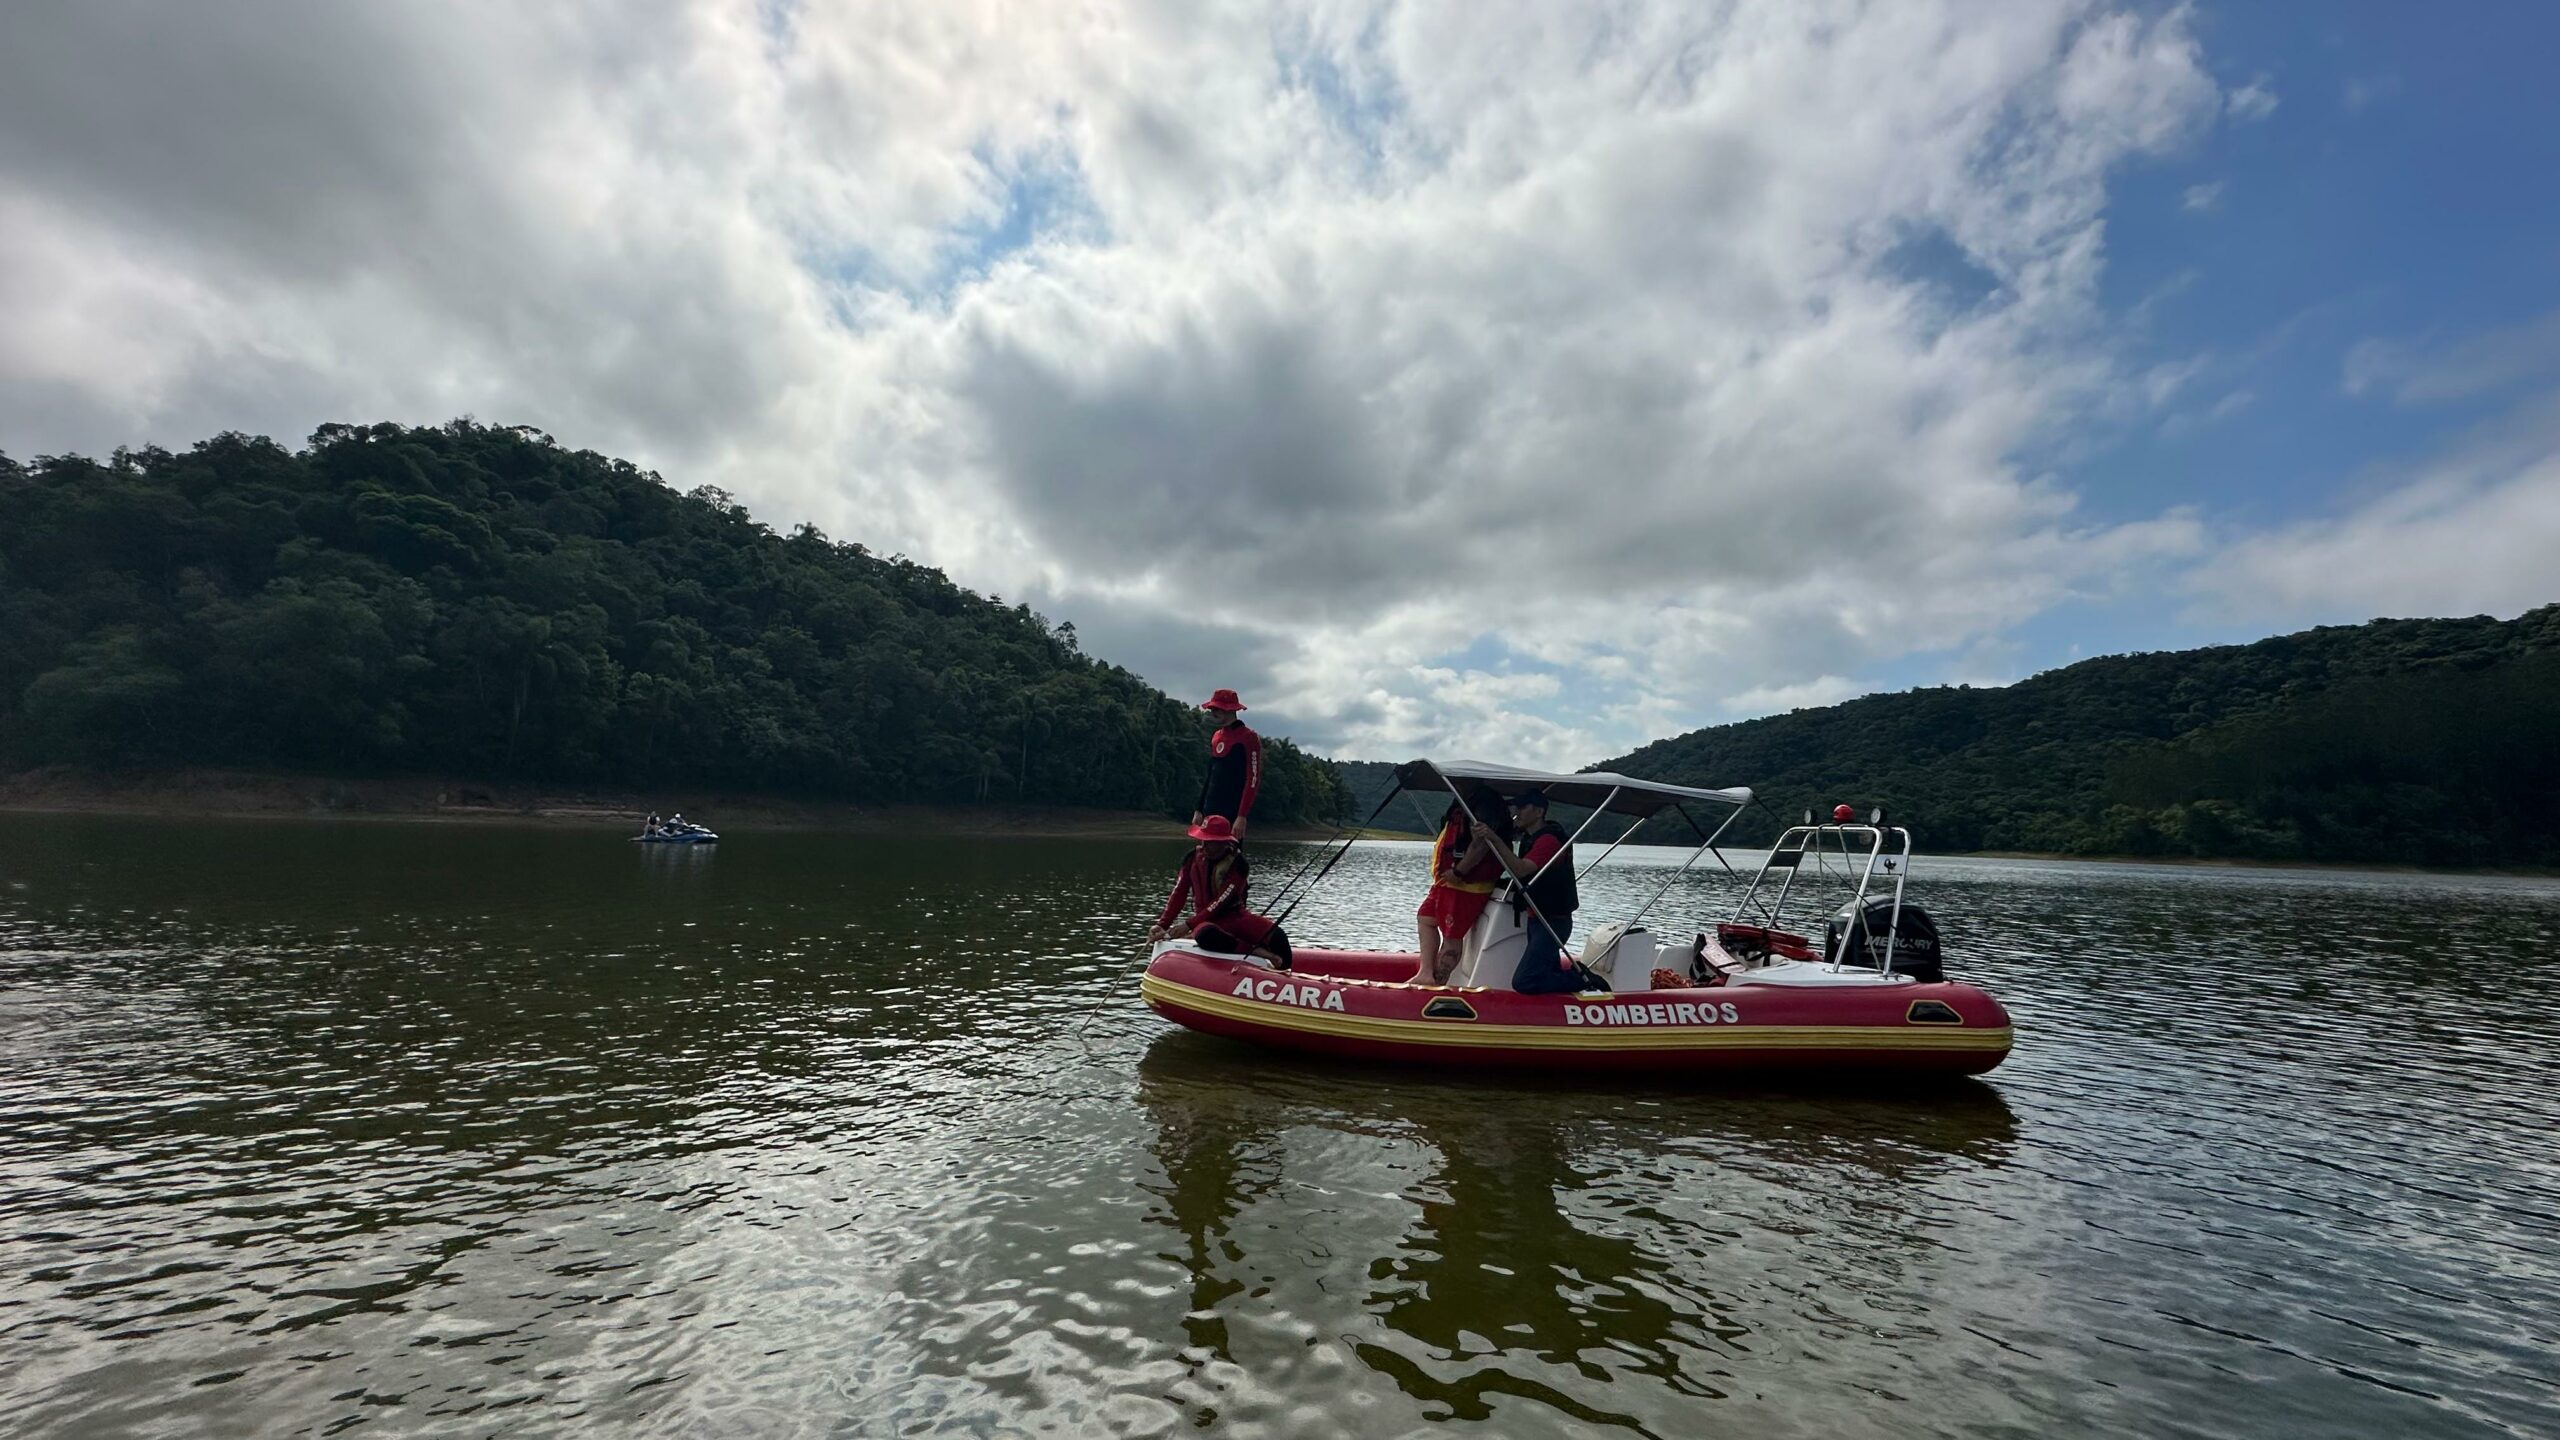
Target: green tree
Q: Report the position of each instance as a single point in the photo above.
(468, 599)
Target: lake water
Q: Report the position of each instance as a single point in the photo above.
(413, 1130)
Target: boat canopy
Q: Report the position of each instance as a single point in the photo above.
(1597, 791)
(1588, 789)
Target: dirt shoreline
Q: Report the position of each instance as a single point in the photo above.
(229, 794)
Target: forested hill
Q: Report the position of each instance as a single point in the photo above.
(1368, 782)
(479, 601)
(2408, 741)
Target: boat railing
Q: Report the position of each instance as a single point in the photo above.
(1886, 848)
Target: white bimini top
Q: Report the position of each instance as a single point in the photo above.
(1585, 789)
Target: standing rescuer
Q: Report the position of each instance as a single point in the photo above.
(1235, 765)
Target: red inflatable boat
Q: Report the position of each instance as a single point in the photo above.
(1746, 994)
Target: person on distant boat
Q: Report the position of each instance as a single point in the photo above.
(1464, 870)
(651, 826)
(1213, 881)
(1544, 893)
(1235, 764)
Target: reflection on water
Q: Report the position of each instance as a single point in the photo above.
(1544, 1254)
(314, 1129)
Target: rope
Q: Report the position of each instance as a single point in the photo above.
(1337, 858)
(1291, 883)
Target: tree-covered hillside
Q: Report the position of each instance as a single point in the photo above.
(2411, 741)
(479, 601)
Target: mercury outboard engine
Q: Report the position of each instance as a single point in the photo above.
(1915, 943)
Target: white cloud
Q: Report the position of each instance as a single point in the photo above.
(2253, 101)
(1681, 350)
(1804, 695)
(2470, 532)
(2231, 404)
(2163, 382)
(2189, 422)
(2364, 90)
(2201, 198)
(2484, 364)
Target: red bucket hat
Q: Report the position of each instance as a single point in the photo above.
(1215, 827)
(1224, 700)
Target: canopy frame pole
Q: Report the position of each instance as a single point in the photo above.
(1701, 832)
(1684, 869)
(1428, 824)
(1632, 827)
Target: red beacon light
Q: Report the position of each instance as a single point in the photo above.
(1843, 814)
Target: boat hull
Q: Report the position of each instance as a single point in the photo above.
(1356, 1006)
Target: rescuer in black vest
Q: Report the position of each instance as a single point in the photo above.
(1235, 764)
(1546, 852)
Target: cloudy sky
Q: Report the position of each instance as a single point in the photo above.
(1521, 380)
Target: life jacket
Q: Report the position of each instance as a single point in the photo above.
(1211, 880)
(1214, 875)
(1444, 852)
(1235, 772)
(1476, 880)
(1554, 893)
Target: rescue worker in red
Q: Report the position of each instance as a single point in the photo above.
(1235, 765)
(1213, 880)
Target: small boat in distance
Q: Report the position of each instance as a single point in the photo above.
(676, 831)
(1744, 994)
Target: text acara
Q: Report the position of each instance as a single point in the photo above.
(1311, 996)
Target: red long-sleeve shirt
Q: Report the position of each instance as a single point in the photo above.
(1218, 898)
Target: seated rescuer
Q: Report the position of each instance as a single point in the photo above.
(1551, 898)
(1463, 871)
(1213, 879)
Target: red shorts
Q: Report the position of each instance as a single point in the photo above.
(1454, 910)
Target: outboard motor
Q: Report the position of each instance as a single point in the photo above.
(1915, 943)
